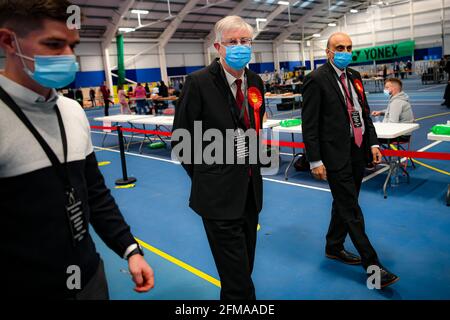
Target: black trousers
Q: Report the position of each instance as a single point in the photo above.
(97, 287)
(233, 244)
(346, 214)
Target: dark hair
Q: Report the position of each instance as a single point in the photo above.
(24, 16)
(397, 81)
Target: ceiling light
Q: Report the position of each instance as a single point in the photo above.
(139, 11)
(316, 35)
(332, 24)
(127, 29)
(283, 3)
(261, 19)
(354, 11)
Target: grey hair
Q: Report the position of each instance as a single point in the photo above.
(230, 23)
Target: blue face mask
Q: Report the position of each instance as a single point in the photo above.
(51, 71)
(342, 59)
(237, 57)
(386, 93)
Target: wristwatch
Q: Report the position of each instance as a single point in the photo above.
(137, 250)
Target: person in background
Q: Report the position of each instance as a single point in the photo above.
(79, 96)
(49, 209)
(396, 69)
(409, 67)
(106, 94)
(384, 72)
(147, 90)
(399, 109)
(163, 90)
(402, 67)
(446, 63)
(92, 97)
(123, 100)
(140, 97)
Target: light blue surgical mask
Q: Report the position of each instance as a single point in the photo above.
(342, 59)
(237, 57)
(387, 93)
(51, 71)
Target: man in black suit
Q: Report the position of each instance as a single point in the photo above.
(227, 196)
(340, 140)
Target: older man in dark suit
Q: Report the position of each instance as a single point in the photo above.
(340, 140)
(228, 196)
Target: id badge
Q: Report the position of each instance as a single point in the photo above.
(356, 119)
(74, 210)
(241, 145)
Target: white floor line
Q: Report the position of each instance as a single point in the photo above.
(178, 163)
(137, 155)
(297, 184)
(436, 86)
(373, 175)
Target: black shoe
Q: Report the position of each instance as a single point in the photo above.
(387, 278)
(344, 256)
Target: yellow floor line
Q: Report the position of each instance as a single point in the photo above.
(431, 168)
(425, 165)
(433, 116)
(180, 263)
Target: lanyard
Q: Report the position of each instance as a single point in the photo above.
(348, 94)
(61, 168)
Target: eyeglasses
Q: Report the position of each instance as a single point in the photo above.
(235, 42)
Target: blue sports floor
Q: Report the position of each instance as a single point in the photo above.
(410, 229)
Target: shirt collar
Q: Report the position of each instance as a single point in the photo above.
(338, 71)
(25, 97)
(231, 79)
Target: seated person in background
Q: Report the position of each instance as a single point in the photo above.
(399, 109)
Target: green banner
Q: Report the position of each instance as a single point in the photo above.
(386, 52)
(120, 60)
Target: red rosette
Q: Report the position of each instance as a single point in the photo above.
(359, 86)
(255, 99)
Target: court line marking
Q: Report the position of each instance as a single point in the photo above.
(426, 89)
(433, 116)
(180, 263)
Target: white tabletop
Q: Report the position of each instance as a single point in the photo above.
(394, 130)
(293, 129)
(270, 123)
(438, 137)
(157, 121)
(122, 117)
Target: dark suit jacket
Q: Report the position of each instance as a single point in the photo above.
(326, 123)
(219, 191)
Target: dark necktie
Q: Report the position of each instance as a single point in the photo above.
(240, 102)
